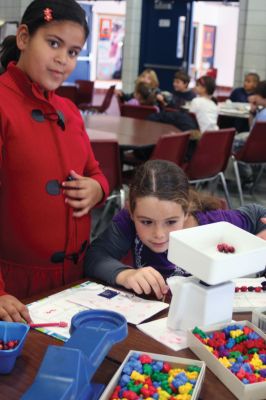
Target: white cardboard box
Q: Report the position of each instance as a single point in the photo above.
(254, 391)
(259, 318)
(195, 250)
(174, 361)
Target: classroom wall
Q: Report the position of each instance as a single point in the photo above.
(251, 49)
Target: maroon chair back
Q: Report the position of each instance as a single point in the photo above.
(107, 99)
(211, 155)
(102, 107)
(85, 91)
(171, 147)
(68, 91)
(139, 112)
(107, 153)
(254, 150)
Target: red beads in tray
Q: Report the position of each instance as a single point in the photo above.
(10, 345)
(225, 248)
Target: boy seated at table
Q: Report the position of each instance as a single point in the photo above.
(257, 114)
(181, 93)
(241, 94)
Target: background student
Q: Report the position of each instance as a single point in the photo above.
(204, 106)
(143, 95)
(241, 94)
(50, 179)
(181, 93)
(160, 202)
(147, 76)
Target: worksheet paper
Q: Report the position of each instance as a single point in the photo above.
(247, 301)
(64, 305)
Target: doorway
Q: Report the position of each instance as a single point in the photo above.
(214, 40)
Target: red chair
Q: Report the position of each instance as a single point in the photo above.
(210, 158)
(84, 91)
(140, 112)
(252, 153)
(170, 147)
(107, 153)
(69, 91)
(102, 108)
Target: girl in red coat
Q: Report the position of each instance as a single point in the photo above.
(49, 178)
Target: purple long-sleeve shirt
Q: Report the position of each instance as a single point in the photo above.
(103, 258)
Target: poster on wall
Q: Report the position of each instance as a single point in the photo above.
(110, 47)
(208, 46)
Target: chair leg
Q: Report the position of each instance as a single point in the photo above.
(257, 178)
(238, 181)
(226, 192)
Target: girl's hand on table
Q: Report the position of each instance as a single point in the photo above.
(82, 193)
(12, 310)
(262, 234)
(143, 280)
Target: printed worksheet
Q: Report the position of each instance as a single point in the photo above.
(64, 305)
(134, 308)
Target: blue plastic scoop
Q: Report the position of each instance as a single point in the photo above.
(66, 371)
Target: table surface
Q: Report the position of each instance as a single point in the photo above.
(26, 367)
(128, 131)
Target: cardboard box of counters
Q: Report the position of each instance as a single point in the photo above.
(259, 318)
(254, 391)
(176, 362)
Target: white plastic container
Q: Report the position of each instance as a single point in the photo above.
(254, 391)
(195, 304)
(259, 318)
(195, 250)
(174, 361)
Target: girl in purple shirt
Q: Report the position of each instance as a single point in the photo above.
(160, 201)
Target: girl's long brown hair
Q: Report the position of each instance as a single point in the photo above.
(167, 181)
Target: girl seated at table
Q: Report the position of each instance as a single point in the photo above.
(144, 95)
(160, 201)
(147, 76)
(203, 106)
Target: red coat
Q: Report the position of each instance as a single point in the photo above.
(35, 224)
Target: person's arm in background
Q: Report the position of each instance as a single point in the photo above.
(257, 216)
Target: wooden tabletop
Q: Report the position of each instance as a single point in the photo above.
(15, 384)
(128, 131)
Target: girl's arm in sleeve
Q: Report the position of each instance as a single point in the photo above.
(254, 212)
(103, 257)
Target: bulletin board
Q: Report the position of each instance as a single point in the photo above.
(208, 45)
(110, 46)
